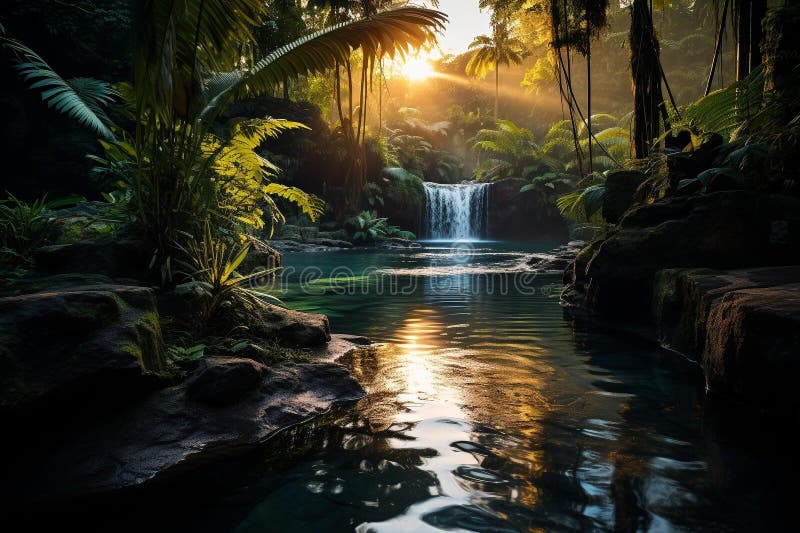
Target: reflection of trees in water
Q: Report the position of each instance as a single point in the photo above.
(347, 469)
(619, 445)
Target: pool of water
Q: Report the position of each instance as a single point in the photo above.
(492, 408)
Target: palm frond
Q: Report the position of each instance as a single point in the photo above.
(81, 99)
(393, 32)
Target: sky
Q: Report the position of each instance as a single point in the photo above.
(466, 21)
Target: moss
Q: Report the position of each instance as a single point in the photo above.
(272, 353)
(147, 344)
(94, 311)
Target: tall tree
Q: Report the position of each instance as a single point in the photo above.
(576, 23)
(648, 99)
(353, 115)
(489, 52)
(748, 16)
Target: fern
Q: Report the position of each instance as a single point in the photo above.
(311, 205)
(582, 204)
(726, 110)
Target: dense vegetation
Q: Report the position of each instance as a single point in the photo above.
(209, 126)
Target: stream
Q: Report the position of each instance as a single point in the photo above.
(491, 408)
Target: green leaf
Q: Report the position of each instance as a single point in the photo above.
(82, 99)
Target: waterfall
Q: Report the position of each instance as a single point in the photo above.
(456, 212)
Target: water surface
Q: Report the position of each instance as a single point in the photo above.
(491, 408)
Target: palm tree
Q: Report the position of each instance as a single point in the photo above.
(188, 68)
(492, 51)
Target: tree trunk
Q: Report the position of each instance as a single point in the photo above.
(648, 100)
(589, 100)
(749, 35)
(496, 91)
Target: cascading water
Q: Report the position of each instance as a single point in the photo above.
(456, 212)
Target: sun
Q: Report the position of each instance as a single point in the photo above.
(417, 69)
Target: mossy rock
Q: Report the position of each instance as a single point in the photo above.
(621, 186)
(338, 235)
(65, 346)
(309, 232)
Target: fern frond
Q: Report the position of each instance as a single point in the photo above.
(311, 205)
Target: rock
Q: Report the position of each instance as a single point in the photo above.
(557, 260)
(56, 282)
(91, 341)
(332, 243)
(583, 233)
(339, 346)
(308, 233)
(261, 256)
(730, 229)
(289, 233)
(225, 380)
(108, 255)
(722, 182)
(290, 246)
(689, 163)
(172, 435)
(294, 328)
(395, 243)
(514, 215)
(336, 235)
(743, 325)
(620, 188)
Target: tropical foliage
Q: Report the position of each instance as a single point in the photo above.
(82, 99)
(367, 228)
(26, 226)
(491, 51)
(513, 151)
(215, 288)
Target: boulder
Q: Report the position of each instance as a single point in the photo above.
(99, 341)
(332, 243)
(174, 434)
(743, 325)
(397, 243)
(557, 260)
(729, 229)
(261, 256)
(107, 255)
(336, 235)
(621, 185)
(225, 380)
(289, 246)
(294, 328)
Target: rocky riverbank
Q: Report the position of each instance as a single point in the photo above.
(92, 405)
(717, 274)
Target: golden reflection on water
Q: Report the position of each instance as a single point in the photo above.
(420, 378)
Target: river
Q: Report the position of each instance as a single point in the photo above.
(492, 408)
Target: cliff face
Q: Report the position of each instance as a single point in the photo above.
(740, 320)
(743, 325)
